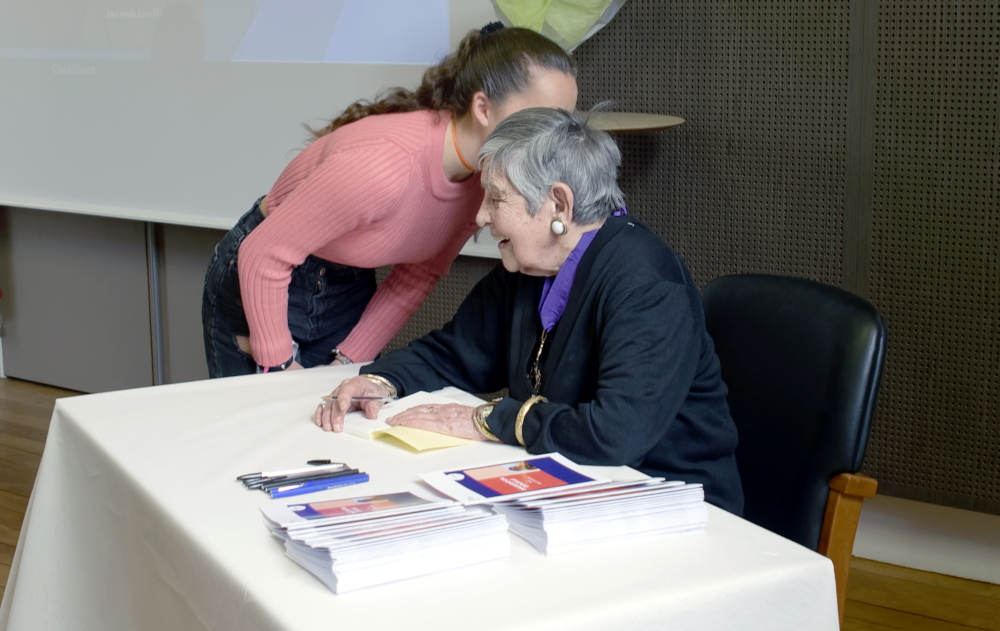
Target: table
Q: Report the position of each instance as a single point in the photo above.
(136, 523)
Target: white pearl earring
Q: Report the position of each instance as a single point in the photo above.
(558, 227)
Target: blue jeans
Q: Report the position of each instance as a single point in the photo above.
(325, 301)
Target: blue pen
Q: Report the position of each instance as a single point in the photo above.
(314, 486)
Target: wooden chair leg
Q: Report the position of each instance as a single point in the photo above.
(840, 524)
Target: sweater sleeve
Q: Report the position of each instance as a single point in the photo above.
(334, 199)
(468, 352)
(397, 298)
(623, 379)
(644, 353)
(647, 357)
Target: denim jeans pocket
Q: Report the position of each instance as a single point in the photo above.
(324, 297)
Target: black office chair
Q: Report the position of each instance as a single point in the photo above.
(803, 362)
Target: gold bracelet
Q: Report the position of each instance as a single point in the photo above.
(479, 417)
(381, 381)
(522, 413)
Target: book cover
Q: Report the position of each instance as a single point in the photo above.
(518, 478)
(355, 505)
(312, 514)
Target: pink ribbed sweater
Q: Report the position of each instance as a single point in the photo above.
(372, 193)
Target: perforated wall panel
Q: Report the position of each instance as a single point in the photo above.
(935, 270)
(753, 181)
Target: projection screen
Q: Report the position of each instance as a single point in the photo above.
(185, 111)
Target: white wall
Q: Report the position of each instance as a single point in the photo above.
(930, 538)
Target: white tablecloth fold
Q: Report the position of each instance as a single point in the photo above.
(137, 523)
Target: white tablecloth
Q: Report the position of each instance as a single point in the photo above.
(136, 522)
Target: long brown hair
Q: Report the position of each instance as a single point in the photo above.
(498, 62)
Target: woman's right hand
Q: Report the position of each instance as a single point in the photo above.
(329, 415)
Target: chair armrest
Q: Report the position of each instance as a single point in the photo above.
(855, 484)
(840, 523)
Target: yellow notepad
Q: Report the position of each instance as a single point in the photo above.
(420, 439)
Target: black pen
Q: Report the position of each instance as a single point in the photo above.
(271, 484)
(276, 482)
(333, 466)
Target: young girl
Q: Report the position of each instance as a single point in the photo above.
(394, 182)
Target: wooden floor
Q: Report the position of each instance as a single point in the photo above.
(25, 409)
(880, 597)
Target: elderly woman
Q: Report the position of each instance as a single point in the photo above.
(592, 322)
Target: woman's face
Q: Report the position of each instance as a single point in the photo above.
(548, 88)
(527, 244)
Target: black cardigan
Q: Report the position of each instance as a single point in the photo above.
(630, 372)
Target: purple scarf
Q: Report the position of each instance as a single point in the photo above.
(555, 291)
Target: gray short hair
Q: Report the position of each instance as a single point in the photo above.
(539, 146)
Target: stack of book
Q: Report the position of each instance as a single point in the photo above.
(363, 541)
(557, 507)
(607, 514)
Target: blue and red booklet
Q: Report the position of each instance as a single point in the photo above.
(507, 480)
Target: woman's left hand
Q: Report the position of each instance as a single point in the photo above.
(453, 419)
